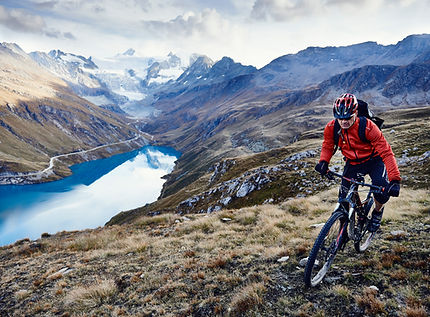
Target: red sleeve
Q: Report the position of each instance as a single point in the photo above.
(328, 143)
(378, 141)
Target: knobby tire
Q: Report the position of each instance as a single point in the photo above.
(325, 248)
(366, 238)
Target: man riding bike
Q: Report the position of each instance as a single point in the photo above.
(374, 157)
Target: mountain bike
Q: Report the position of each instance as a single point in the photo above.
(348, 222)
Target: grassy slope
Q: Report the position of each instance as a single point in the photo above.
(233, 127)
(205, 265)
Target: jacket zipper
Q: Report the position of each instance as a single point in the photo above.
(347, 137)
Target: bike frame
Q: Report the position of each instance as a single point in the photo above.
(352, 202)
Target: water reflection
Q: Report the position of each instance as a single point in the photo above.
(28, 211)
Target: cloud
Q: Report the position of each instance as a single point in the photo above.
(208, 22)
(46, 4)
(282, 10)
(20, 20)
(145, 5)
(69, 36)
(59, 35)
(286, 10)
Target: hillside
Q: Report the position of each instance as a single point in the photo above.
(243, 262)
(239, 261)
(40, 117)
(216, 110)
(278, 174)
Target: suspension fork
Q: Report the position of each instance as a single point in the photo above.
(342, 237)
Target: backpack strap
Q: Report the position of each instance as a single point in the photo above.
(336, 133)
(362, 129)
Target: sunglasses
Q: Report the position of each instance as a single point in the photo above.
(346, 119)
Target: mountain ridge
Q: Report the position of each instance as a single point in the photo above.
(209, 101)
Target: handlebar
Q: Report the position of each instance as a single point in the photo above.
(374, 188)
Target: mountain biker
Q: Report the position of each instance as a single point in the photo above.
(374, 158)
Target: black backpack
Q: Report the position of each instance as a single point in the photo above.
(364, 113)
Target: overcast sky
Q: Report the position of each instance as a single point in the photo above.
(253, 32)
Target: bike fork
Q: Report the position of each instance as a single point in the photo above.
(341, 239)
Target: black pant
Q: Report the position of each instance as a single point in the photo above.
(375, 168)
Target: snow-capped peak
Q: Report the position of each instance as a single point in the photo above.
(129, 52)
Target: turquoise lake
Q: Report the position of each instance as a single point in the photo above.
(95, 192)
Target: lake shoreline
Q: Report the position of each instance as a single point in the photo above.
(59, 165)
(94, 192)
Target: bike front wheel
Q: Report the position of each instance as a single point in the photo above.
(328, 242)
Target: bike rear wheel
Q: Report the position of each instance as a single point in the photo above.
(364, 236)
(325, 248)
(365, 239)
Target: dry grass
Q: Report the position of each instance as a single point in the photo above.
(22, 294)
(416, 312)
(108, 242)
(410, 203)
(206, 264)
(163, 219)
(341, 291)
(369, 301)
(247, 298)
(84, 297)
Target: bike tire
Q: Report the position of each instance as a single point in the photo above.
(325, 248)
(366, 238)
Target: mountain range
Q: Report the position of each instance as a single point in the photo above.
(270, 107)
(250, 139)
(118, 83)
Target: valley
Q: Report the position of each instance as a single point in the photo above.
(245, 259)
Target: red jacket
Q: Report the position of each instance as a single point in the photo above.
(357, 151)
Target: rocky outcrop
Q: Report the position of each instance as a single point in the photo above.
(225, 193)
(405, 159)
(219, 169)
